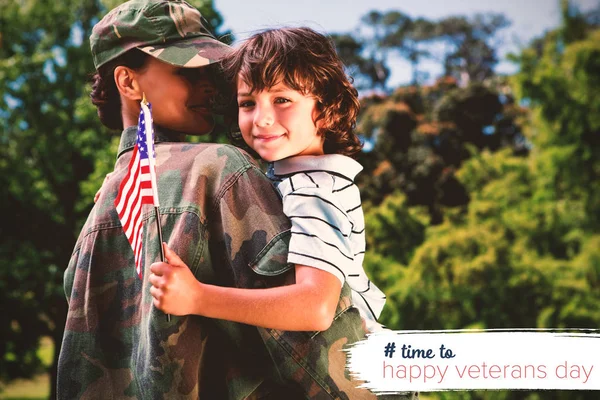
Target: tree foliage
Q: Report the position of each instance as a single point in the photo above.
(524, 251)
(467, 48)
(422, 135)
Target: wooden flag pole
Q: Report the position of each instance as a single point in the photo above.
(160, 243)
(156, 211)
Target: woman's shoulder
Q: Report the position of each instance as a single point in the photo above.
(212, 154)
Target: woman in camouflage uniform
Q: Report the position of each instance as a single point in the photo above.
(218, 212)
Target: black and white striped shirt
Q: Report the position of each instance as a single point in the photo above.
(328, 229)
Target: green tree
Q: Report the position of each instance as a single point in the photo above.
(421, 136)
(524, 252)
(364, 63)
(470, 52)
(560, 80)
(51, 144)
(396, 32)
(466, 47)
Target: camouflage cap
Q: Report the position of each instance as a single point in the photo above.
(171, 31)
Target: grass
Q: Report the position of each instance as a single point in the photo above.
(37, 388)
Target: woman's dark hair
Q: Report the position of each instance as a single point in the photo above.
(105, 95)
(306, 61)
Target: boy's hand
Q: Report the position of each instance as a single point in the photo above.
(174, 287)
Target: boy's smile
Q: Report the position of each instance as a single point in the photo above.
(279, 122)
(266, 138)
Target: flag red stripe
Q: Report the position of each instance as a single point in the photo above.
(126, 181)
(131, 192)
(130, 212)
(138, 252)
(135, 190)
(133, 223)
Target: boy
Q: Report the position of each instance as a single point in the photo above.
(297, 109)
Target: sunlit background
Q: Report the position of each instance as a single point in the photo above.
(529, 18)
(481, 163)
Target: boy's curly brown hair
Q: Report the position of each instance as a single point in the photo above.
(306, 61)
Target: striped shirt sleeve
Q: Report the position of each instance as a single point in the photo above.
(320, 231)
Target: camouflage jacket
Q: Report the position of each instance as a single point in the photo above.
(222, 216)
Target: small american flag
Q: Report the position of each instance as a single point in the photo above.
(139, 186)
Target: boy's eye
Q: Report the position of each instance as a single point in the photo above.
(281, 100)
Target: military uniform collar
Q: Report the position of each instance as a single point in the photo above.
(161, 135)
(334, 163)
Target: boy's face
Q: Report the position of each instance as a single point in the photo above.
(278, 123)
(180, 97)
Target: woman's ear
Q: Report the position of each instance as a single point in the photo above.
(127, 84)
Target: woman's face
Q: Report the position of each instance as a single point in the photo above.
(180, 97)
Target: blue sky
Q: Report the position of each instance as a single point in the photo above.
(530, 18)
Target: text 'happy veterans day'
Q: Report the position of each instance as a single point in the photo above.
(436, 372)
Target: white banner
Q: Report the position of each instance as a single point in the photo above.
(393, 361)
